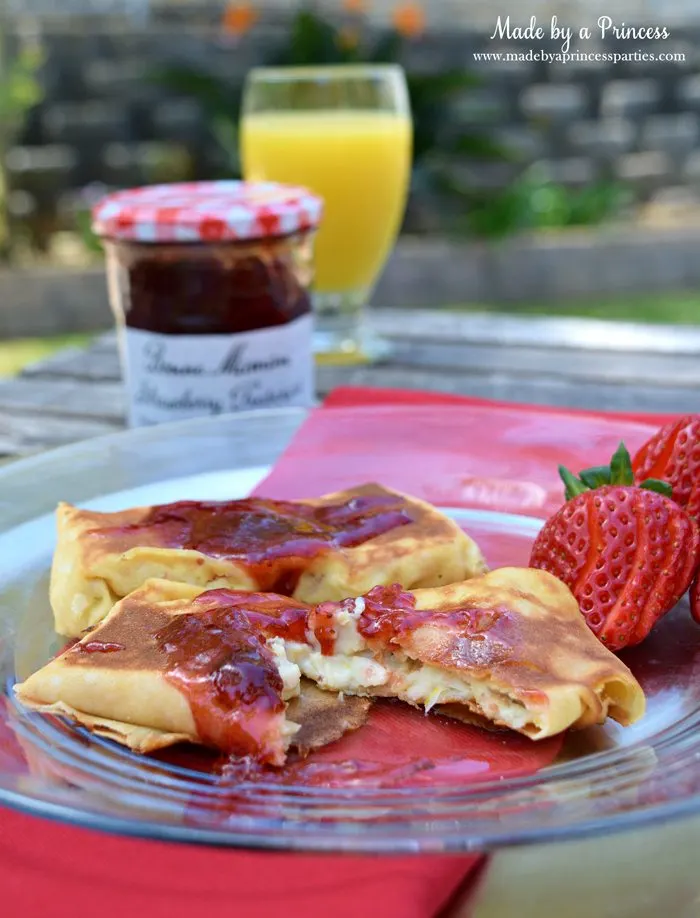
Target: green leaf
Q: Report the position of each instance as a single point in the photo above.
(573, 486)
(621, 467)
(655, 484)
(596, 477)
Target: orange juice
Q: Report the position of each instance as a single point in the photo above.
(358, 161)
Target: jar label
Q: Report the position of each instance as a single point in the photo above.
(172, 377)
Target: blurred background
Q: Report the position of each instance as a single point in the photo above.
(558, 188)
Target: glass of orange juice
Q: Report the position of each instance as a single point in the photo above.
(345, 133)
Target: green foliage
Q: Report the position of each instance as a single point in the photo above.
(534, 202)
(20, 90)
(313, 42)
(91, 241)
(433, 97)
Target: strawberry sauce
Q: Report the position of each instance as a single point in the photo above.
(217, 658)
(274, 540)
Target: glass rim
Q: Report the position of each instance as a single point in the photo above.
(335, 71)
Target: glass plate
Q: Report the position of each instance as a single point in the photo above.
(603, 779)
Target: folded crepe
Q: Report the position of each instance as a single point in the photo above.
(167, 666)
(328, 548)
(220, 668)
(510, 646)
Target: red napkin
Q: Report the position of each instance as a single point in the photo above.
(64, 872)
(450, 450)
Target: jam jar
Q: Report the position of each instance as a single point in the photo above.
(209, 283)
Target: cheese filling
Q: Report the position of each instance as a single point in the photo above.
(288, 670)
(428, 685)
(355, 674)
(291, 678)
(354, 669)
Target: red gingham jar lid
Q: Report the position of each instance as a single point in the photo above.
(206, 212)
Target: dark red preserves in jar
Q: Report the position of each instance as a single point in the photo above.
(209, 282)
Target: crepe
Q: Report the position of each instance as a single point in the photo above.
(328, 548)
(510, 646)
(166, 667)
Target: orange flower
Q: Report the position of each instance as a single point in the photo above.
(355, 6)
(409, 19)
(238, 18)
(348, 38)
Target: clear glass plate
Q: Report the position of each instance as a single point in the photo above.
(602, 779)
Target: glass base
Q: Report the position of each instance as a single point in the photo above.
(341, 335)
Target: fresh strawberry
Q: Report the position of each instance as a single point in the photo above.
(673, 455)
(627, 552)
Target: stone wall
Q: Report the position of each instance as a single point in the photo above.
(104, 119)
(576, 265)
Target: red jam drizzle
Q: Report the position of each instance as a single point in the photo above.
(275, 540)
(217, 657)
(270, 615)
(386, 611)
(99, 647)
(390, 613)
(322, 623)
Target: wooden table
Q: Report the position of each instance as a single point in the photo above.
(77, 394)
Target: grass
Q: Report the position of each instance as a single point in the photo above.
(682, 308)
(17, 353)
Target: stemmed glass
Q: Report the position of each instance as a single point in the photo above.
(344, 132)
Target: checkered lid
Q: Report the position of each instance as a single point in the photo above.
(206, 212)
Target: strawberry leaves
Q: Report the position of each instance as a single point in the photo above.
(655, 484)
(619, 472)
(573, 486)
(621, 467)
(596, 477)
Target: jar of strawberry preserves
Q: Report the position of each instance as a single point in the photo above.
(209, 283)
